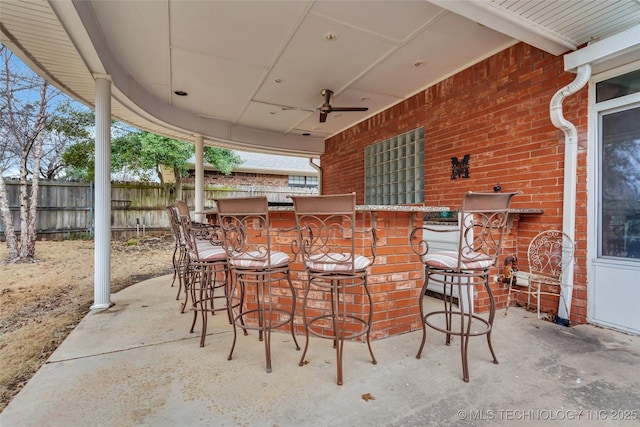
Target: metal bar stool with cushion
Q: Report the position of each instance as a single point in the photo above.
(258, 300)
(201, 231)
(207, 275)
(336, 272)
(482, 222)
(549, 256)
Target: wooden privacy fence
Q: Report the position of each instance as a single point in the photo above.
(66, 209)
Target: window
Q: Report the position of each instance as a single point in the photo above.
(618, 86)
(619, 204)
(303, 181)
(394, 170)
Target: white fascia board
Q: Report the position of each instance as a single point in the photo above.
(499, 19)
(612, 51)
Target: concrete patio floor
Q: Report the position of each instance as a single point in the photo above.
(136, 364)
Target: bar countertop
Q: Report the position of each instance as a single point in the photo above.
(359, 208)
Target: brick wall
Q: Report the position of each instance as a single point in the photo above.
(497, 111)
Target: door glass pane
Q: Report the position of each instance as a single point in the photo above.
(619, 228)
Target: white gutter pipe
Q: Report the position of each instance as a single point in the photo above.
(570, 177)
(319, 169)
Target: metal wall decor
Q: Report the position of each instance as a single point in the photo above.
(460, 168)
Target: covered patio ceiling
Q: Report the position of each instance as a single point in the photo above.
(241, 62)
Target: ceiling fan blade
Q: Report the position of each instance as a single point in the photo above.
(323, 117)
(311, 109)
(349, 108)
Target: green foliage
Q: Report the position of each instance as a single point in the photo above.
(79, 158)
(223, 160)
(141, 153)
(71, 122)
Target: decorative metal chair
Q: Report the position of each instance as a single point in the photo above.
(179, 258)
(207, 269)
(549, 255)
(335, 271)
(257, 301)
(482, 222)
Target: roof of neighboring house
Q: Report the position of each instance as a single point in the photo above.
(272, 164)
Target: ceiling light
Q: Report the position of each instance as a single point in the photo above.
(306, 134)
(279, 81)
(272, 112)
(418, 63)
(330, 37)
(366, 98)
(180, 93)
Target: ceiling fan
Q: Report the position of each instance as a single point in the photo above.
(326, 106)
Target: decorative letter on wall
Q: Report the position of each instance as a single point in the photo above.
(460, 169)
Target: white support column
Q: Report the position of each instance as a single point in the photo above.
(102, 241)
(199, 177)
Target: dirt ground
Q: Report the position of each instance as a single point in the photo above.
(40, 303)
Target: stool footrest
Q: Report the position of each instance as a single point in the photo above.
(365, 327)
(461, 332)
(239, 322)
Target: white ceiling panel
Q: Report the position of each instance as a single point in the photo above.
(208, 80)
(312, 63)
(441, 53)
(271, 117)
(243, 31)
(394, 20)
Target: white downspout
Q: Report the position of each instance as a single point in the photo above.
(570, 176)
(319, 169)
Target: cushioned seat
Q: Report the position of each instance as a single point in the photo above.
(337, 262)
(451, 259)
(257, 259)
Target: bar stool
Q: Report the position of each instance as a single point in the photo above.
(179, 257)
(483, 219)
(202, 233)
(327, 235)
(257, 300)
(208, 279)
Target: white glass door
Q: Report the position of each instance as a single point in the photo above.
(615, 276)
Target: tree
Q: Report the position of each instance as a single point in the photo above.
(143, 154)
(225, 161)
(69, 125)
(26, 104)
